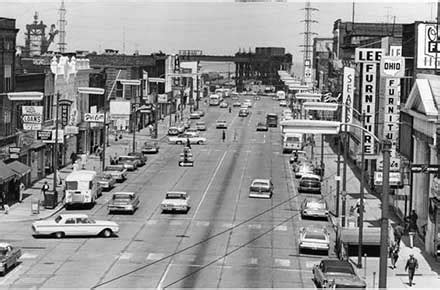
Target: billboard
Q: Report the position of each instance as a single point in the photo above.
(119, 110)
(427, 46)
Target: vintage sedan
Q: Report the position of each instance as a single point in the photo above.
(333, 273)
(142, 160)
(175, 201)
(175, 130)
(224, 105)
(9, 257)
(131, 163)
(106, 181)
(194, 115)
(244, 112)
(314, 239)
(261, 188)
(74, 225)
(262, 126)
(236, 104)
(150, 148)
(314, 207)
(303, 168)
(201, 126)
(221, 124)
(283, 103)
(123, 202)
(310, 183)
(183, 139)
(118, 172)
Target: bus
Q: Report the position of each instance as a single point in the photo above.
(214, 100)
(272, 120)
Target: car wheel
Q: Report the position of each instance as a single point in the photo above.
(179, 143)
(107, 233)
(59, 235)
(200, 142)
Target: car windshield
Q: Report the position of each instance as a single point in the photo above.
(340, 269)
(113, 168)
(292, 139)
(314, 236)
(259, 183)
(122, 197)
(175, 196)
(58, 218)
(315, 205)
(105, 176)
(126, 158)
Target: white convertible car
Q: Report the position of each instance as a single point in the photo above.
(183, 139)
(74, 225)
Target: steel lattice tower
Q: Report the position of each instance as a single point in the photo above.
(62, 28)
(308, 34)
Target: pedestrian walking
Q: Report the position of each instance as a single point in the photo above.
(398, 233)
(21, 189)
(394, 255)
(73, 157)
(411, 266)
(188, 143)
(75, 166)
(44, 189)
(223, 135)
(412, 227)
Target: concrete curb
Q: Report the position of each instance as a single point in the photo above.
(57, 209)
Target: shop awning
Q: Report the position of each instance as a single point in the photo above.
(6, 173)
(19, 168)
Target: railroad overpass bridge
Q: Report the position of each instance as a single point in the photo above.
(263, 65)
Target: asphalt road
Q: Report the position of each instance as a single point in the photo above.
(225, 240)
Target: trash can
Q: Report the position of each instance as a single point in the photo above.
(51, 200)
(35, 206)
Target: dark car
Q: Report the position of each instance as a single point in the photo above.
(142, 160)
(150, 148)
(310, 183)
(243, 113)
(332, 273)
(9, 257)
(262, 127)
(106, 181)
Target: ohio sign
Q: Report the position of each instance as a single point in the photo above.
(94, 117)
(392, 66)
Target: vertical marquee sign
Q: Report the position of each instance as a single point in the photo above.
(347, 95)
(368, 58)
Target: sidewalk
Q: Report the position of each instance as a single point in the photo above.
(427, 276)
(21, 212)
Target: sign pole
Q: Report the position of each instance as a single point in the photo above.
(55, 151)
(361, 191)
(104, 140)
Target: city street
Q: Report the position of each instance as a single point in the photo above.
(225, 240)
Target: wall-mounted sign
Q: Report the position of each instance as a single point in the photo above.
(394, 163)
(395, 50)
(347, 95)
(394, 180)
(71, 130)
(368, 93)
(427, 46)
(94, 117)
(64, 114)
(368, 55)
(32, 117)
(162, 98)
(425, 168)
(48, 136)
(14, 152)
(392, 66)
(392, 112)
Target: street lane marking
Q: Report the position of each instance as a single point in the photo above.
(282, 262)
(253, 261)
(202, 224)
(281, 228)
(155, 256)
(255, 226)
(28, 256)
(125, 256)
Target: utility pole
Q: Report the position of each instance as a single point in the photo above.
(386, 150)
(338, 175)
(344, 176)
(134, 127)
(361, 190)
(55, 151)
(104, 139)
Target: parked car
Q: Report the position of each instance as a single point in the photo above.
(224, 105)
(201, 113)
(123, 202)
(77, 224)
(262, 126)
(333, 273)
(298, 156)
(173, 131)
(118, 172)
(221, 124)
(303, 168)
(283, 103)
(106, 181)
(314, 207)
(261, 188)
(183, 139)
(150, 148)
(192, 131)
(201, 126)
(310, 183)
(9, 257)
(175, 201)
(194, 115)
(142, 160)
(315, 239)
(243, 112)
(236, 104)
(131, 163)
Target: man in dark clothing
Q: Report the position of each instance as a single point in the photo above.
(412, 227)
(411, 266)
(223, 135)
(188, 143)
(2, 199)
(398, 233)
(73, 157)
(394, 255)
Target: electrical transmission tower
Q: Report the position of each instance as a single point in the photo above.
(62, 28)
(308, 46)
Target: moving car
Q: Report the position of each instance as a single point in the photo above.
(118, 172)
(175, 201)
(316, 239)
(106, 181)
(247, 103)
(262, 126)
(314, 207)
(9, 256)
(310, 183)
(129, 162)
(194, 115)
(201, 126)
(221, 124)
(283, 103)
(142, 160)
(77, 224)
(150, 148)
(174, 131)
(123, 202)
(261, 188)
(337, 274)
(224, 105)
(236, 104)
(243, 112)
(303, 168)
(183, 139)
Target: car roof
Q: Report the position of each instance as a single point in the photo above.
(310, 176)
(124, 193)
(70, 215)
(261, 180)
(176, 192)
(314, 199)
(81, 174)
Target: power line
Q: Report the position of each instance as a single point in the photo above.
(194, 245)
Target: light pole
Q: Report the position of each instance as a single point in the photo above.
(361, 190)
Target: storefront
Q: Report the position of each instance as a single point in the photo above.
(7, 184)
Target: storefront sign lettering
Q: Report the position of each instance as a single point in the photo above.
(427, 46)
(368, 92)
(347, 95)
(368, 55)
(392, 112)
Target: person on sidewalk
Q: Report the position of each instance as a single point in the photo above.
(2, 199)
(412, 227)
(5, 202)
(21, 189)
(44, 189)
(223, 135)
(73, 158)
(398, 233)
(394, 255)
(411, 266)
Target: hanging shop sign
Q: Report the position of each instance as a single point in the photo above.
(394, 163)
(48, 136)
(162, 98)
(392, 112)
(368, 55)
(347, 95)
(427, 46)
(64, 114)
(72, 130)
(394, 180)
(94, 117)
(392, 66)
(14, 152)
(32, 117)
(425, 168)
(368, 91)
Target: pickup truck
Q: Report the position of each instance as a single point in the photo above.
(182, 139)
(175, 201)
(8, 257)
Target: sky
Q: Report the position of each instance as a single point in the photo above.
(220, 27)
